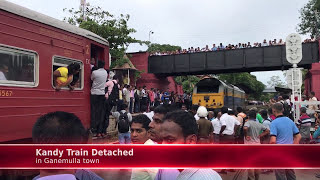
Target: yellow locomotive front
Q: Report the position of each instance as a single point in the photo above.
(209, 93)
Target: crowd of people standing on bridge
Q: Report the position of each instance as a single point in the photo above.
(221, 46)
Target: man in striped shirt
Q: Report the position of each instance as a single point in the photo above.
(304, 124)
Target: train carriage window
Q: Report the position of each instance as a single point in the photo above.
(18, 67)
(77, 81)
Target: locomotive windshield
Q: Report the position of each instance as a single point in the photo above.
(208, 86)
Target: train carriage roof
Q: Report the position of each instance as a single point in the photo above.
(33, 15)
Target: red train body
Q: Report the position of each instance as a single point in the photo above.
(32, 46)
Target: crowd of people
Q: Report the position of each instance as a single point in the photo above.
(161, 112)
(221, 46)
(172, 124)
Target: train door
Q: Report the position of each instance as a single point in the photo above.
(97, 53)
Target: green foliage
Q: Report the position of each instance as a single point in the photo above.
(317, 5)
(310, 18)
(246, 81)
(137, 74)
(275, 81)
(120, 62)
(187, 82)
(162, 48)
(106, 25)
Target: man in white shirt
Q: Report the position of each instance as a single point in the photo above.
(313, 98)
(264, 43)
(150, 114)
(126, 94)
(144, 100)
(97, 100)
(123, 119)
(3, 71)
(216, 128)
(229, 126)
(139, 135)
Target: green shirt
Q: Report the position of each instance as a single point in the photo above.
(259, 118)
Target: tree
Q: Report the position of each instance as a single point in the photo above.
(275, 81)
(245, 81)
(317, 5)
(187, 82)
(162, 47)
(310, 18)
(106, 25)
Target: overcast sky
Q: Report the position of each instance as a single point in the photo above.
(194, 22)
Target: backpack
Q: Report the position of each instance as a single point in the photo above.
(123, 124)
(114, 95)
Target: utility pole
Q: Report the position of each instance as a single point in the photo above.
(150, 32)
(83, 4)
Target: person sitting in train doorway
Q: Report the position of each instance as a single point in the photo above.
(61, 128)
(63, 76)
(3, 71)
(205, 127)
(93, 64)
(97, 99)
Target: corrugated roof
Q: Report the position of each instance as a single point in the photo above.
(33, 15)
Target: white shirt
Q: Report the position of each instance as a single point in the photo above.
(58, 177)
(144, 93)
(99, 78)
(126, 94)
(216, 126)
(313, 107)
(2, 76)
(144, 174)
(149, 114)
(266, 124)
(229, 122)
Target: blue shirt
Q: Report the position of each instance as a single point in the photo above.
(284, 129)
(166, 95)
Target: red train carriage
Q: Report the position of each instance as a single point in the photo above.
(32, 46)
